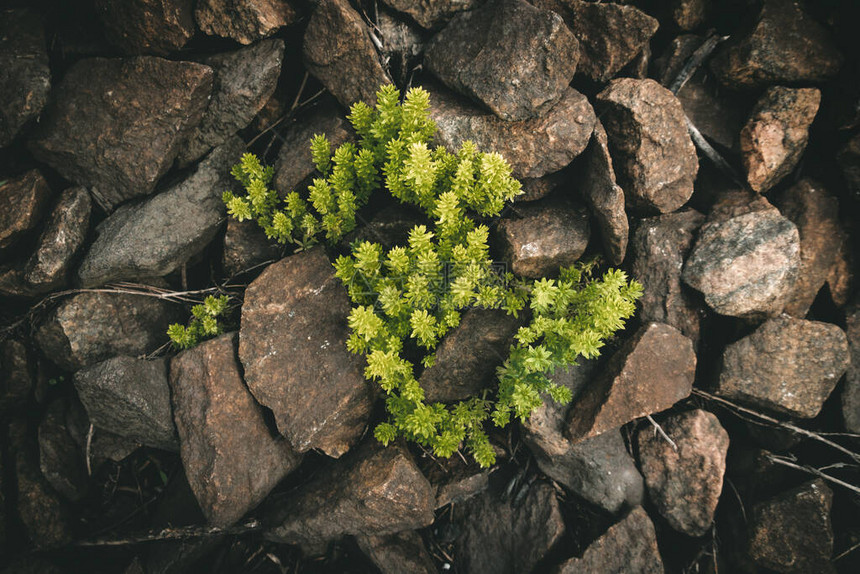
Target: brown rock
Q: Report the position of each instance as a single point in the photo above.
(654, 156)
(690, 14)
(293, 349)
(116, 125)
(787, 365)
(517, 60)
(402, 44)
(538, 188)
(230, 457)
(460, 487)
(397, 553)
(22, 200)
(246, 246)
(849, 161)
(842, 278)
(651, 372)
(147, 26)
(430, 14)
(243, 20)
(851, 390)
(338, 52)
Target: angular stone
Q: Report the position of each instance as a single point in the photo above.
(629, 546)
(64, 233)
(690, 14)
(244, 82)
(776, 133)
(653, 154)
(16, 377)
(515, 59)
(610, 35)
(651, 372)
(293, 348)
(787, 365)
(374, 491)
(397, 553)
(338, 52)
(25, 78)
(243, 20)
(61, 458)
(402, 45)
(792, 532)
(533, 147)
(538, 188)
(246, 246)
(467, 357)
(230, 457)
(83, 329)
(131, 398)
(161, 233)
(659, 246)
(851, 390)
(546, 236)
(116, 125)
(842, 278)
(22, 200)
(685, 483)
(432, 14)
(784, 46)
(147, 26)
(460, 487)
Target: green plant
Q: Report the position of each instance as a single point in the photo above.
(204, 323)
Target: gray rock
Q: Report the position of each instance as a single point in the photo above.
(431, 14)
(23, 200)
(147, 26)
(515, 59)
(16, 376)
(397, 553)
(293, 350)
(246, 246)
(787, 365)
(131, 398)
(243, 20)
(160, 234)
(61, 458)
(116, 125)
(851, 391)
(229, 455)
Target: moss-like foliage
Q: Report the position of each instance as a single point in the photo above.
(204, 323)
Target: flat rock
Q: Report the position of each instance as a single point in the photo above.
(851, 390)
(533, 147)
(244, 81)
(397, 553)
(161, 233)
(116, 125)
(654, 157)
(515, 59)
(374, 491)
(547, 236)
(651, 372)
(789, 366)
(783, 46)
(230, 457)
(16, 375)
(25, 78)
(82, 330)
(610, 35)
(147, 26)
(432, 14)
(659, 246)
(792, 532)
(64, 234)
(338, 52)
(685, 483)
(131, 398)
(243, 20)
(22, 201)
(61, 458)
(776, 133)
(630, 546)
(293, 349)
(246, 246)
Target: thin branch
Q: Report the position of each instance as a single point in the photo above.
(708, 151)
(178, 533)
(88, 451)
(695, 61)
(658, 428)
(814, 471)
(847, 552)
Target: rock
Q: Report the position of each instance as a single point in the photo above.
(515, 59)
(374, 491)
(776, 133)
(792, 532)
(244, 82)
(604, 196)
(851, 390)
(467, 357)
(815, 212)
(651, 372)
(745, 265)
(131, 398)
(161, 233)
(389, 226)
(23, 200)
(397, 553)
(294, 333)
(246, 246)
(533, 147)
(787, 365)
(63, 235)
(842, 278)
(690, 14)
(538, 188)
(109, 446)
(610, 35)
(461, 487)
(630, 546)
(547, 236)
(229, 455)
(685, 483)
(402, 45)
(16, 378)
(116, 125)
(147, 26)
(61, 458)
(243, 20)
(82, 330)
(25, 78)
(849, 162)
(653, 154)
(338, 52)
(503, 536)
(659, 246)
(432, 14)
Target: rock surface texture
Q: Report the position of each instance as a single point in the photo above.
(434, 13)
(243, 20)
(23, 198)
(851, 392)
(396, 553)
(147, 26)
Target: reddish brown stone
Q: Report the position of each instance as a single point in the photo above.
(690, 14)
(22, 200)
(433, 13)
(147, 26)
(243, 20)
(245, 246)
(398, 553)
(851, 390)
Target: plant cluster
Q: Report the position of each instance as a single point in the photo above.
(204, 323)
